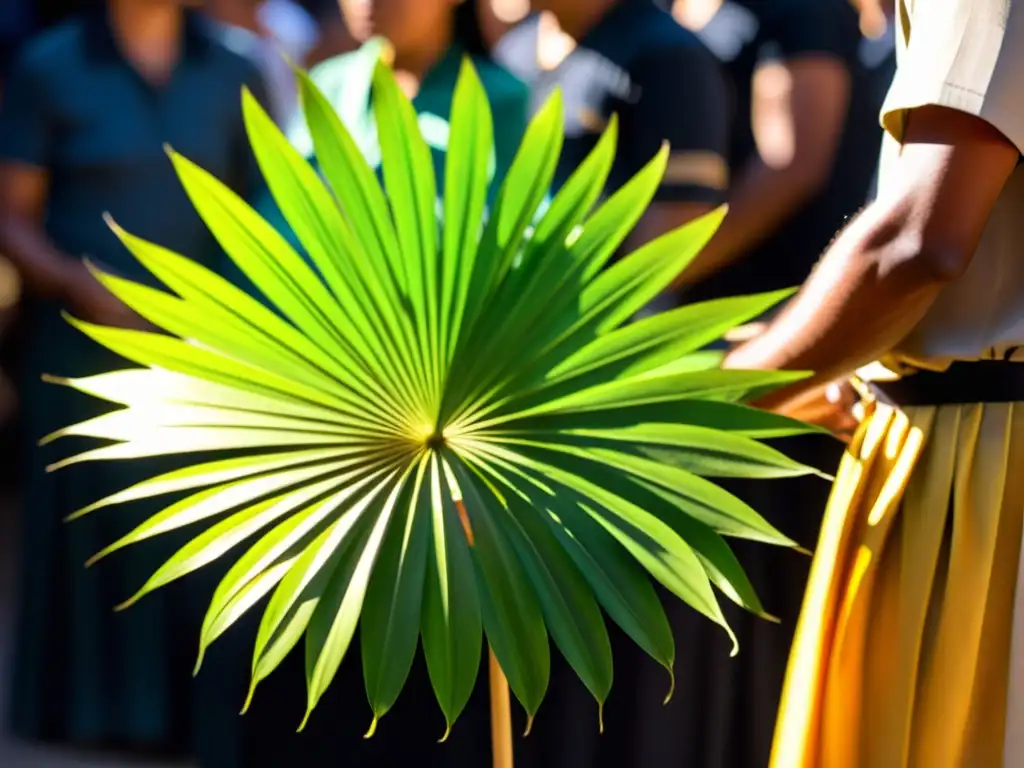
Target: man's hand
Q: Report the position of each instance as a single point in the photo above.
(884, 272)
(830, 407)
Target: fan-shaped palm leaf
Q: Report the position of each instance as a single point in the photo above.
(439, 432)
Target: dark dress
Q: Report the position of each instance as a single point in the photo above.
(265, 737)
(75, 107)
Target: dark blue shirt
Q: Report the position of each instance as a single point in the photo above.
(658, 77)
(76, 107)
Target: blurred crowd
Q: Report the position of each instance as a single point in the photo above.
(768, 105)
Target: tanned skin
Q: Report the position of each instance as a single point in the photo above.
(882, 274)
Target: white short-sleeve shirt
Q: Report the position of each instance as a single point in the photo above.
(967, 55)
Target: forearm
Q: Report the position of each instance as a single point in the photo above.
(43, 268)
(762, 200)
(873, 287)
(798, 110)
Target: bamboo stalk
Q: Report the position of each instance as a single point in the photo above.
(501, 716)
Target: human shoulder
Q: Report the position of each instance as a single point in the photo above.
(50, 51)
(657, 39)
(812, 27)
(651, 26)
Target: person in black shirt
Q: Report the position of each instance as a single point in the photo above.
(629, 57)
(88, 108)
(804, 139)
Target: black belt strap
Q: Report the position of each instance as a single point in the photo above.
(984, 381)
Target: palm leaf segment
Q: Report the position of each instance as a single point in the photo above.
(438, 433)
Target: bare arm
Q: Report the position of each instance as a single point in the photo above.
(43, 268)
(883, 273)
(798, 114)
(27, 139)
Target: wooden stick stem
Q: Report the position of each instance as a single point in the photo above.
(501, 716)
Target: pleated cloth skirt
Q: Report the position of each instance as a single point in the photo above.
(909, 652)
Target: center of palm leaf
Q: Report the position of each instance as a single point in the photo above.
(407, 389)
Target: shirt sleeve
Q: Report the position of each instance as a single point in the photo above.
(26, 118)
(679, 96)
(967, 55)
(797, 28)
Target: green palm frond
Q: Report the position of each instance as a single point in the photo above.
(438, 432)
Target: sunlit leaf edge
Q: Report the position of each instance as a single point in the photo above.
(393, 390)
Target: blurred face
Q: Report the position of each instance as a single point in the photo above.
(509, 11)
(695, 14)
(405, 23)
(357, 18)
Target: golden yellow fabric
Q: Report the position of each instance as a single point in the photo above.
(905, 647)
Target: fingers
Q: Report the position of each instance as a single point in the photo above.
(831, 407)
(744, 333)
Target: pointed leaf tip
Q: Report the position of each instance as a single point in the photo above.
(803, 550)
(372, 729)
(82, 512)
(600, 717)
(305, 719)
(671, 685)
(529, 725)
(47, 439)
(127, 604)
(447, 733)
(97, 557)
(248, 696)
(387, 53)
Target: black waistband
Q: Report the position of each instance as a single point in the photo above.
(984, 381)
